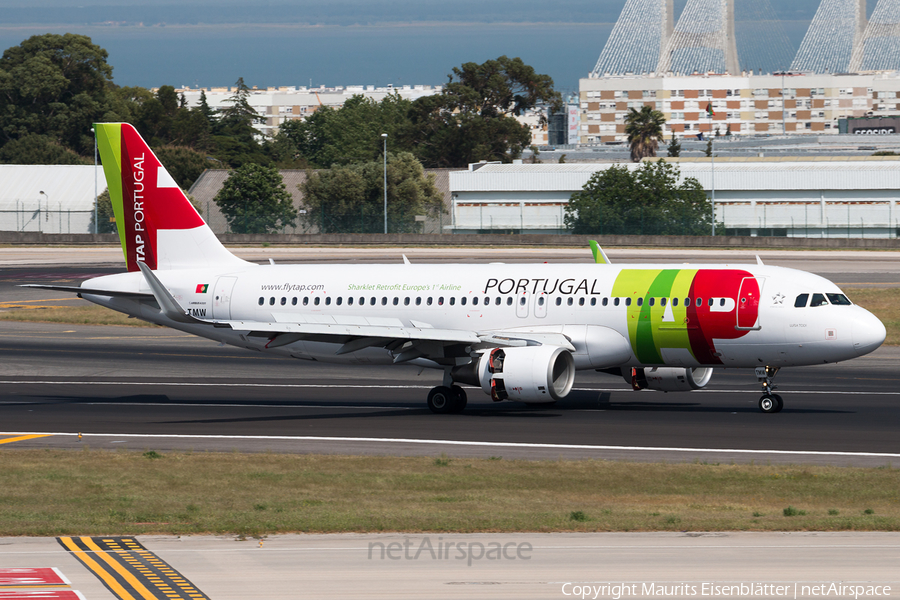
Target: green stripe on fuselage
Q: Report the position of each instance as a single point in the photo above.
(651, 328)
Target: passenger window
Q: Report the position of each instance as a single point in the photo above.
(440, 300)
(372, 300)
(522, 301)
(283, 301)
(606, 302)
(462, 301)
(674, 301)
(615, 301)
(818, 300)
(428, 302)
(452, 300)
(687, 302)
(559, 301)
(349, 300)
(327, 300)
(627, 301)
(339, 300)
(570, 301)
(396, 300)
(262, 300)
(316, 301)
(593, 302)
(699, 301)
(406, 301)
(541, 301)
(294, 301)
(721, 301)
(662, 301)
(475, 301)
(839, 299)
(581, 302)
(305, 300)
(419, 301)
(652, 300)
(362, 300)
(640, 301)
(487, 301)
(710, 302)
(384, 300)
(272, 301)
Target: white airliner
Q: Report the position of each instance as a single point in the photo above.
(520, 332)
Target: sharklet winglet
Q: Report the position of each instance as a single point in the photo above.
(168, 305)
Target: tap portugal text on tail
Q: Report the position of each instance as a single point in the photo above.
(519, 332)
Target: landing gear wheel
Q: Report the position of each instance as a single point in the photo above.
(779, 402)
(768, 404)
(441, 400)
(460, 398)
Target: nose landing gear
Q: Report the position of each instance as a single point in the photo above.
(769, 402)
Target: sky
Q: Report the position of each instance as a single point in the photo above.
(210, 43)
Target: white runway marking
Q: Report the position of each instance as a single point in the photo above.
(407, 387)
(461, 443)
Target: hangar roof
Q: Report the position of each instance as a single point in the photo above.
(67, 187)
(845, 173)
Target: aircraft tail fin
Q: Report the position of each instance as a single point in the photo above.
(599, 255)
(156, 222)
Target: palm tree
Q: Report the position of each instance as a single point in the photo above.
(644, 129)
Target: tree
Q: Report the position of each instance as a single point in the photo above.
(36, 149)
(184, 164)
(55, 85)
(647, 200)
(234, 134)
(644, 129)
(473, 118)
(350, 198)
(347, 135)
(674, 147)
(255, 200)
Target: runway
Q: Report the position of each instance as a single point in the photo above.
(156, 388)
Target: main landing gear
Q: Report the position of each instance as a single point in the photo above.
(768, 402)
(447, 399)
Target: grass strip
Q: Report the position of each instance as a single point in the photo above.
(89, 314)
(90, 492)
(883, 302)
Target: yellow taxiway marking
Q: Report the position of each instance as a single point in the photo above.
(122, 571)
(22, 438)
(99, 571)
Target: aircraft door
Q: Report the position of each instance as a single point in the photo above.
(749, 296)
(540, 305)
(222, 297)
(522, 306)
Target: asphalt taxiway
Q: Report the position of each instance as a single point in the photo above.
(158, 388)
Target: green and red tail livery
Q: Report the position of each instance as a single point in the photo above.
(145, 198)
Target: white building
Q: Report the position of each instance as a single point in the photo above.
(810, 197)
(746, 104)
(280, 104)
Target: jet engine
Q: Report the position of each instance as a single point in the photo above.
(668, 379)
(533, 374)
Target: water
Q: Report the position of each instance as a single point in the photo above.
(293, 55)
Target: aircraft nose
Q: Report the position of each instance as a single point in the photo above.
(868, 332)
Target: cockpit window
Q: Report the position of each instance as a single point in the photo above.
(818, 300)
(839, 299)
(801, 301)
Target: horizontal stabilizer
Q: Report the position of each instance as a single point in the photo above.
(91, 292)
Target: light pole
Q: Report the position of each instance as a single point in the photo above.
(39, 208)
(96, 223)
(384, 137)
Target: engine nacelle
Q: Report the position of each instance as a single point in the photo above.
(532, 374)
(668, 379)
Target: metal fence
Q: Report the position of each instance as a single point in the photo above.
(836, 221)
